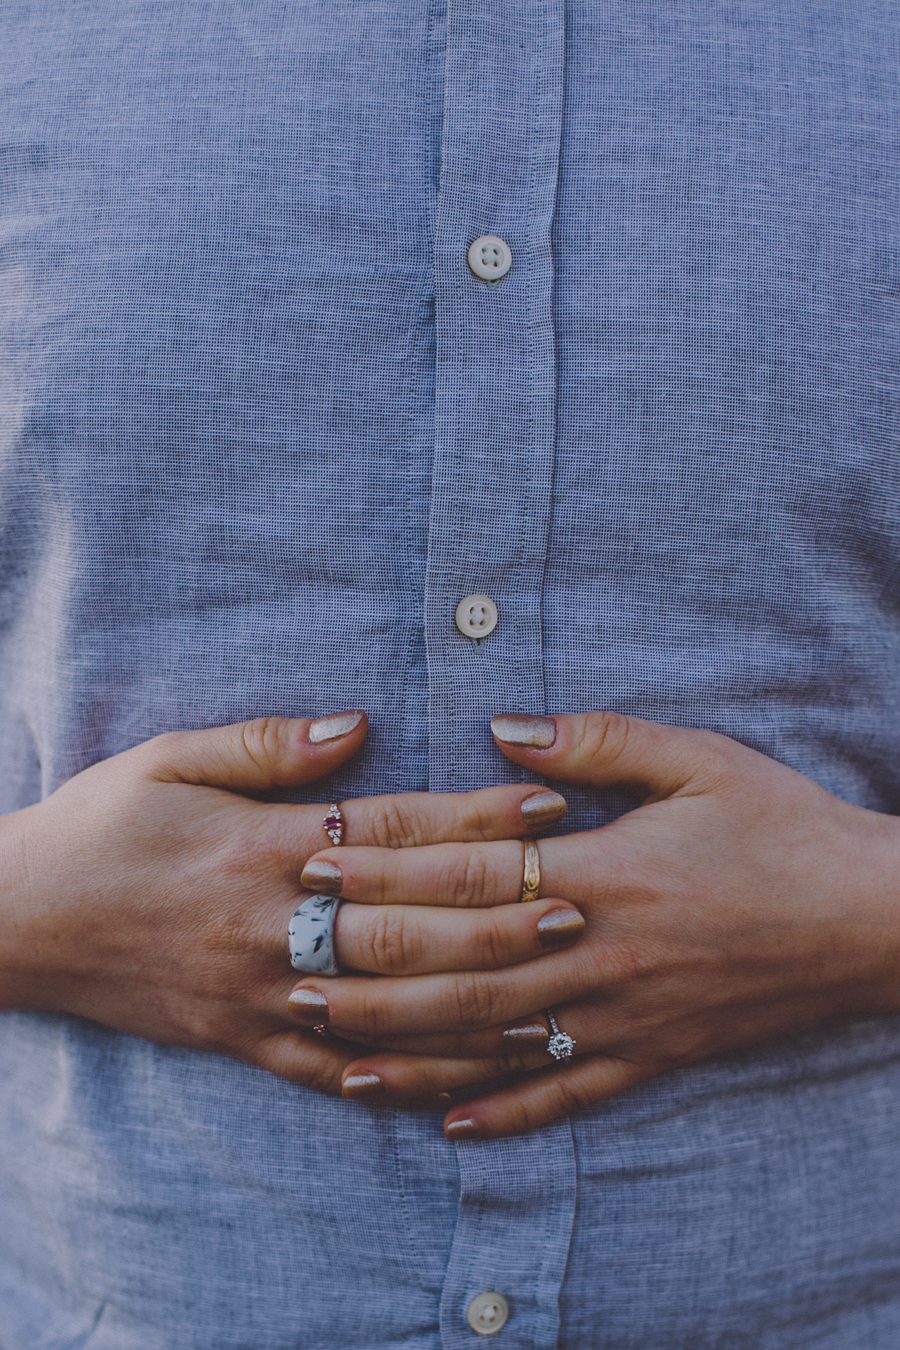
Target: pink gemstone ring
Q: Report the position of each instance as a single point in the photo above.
(334, 824)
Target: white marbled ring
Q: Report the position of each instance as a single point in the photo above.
(311, 936)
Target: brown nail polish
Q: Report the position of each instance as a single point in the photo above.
(321, 875)
(560, 927)
(309, 1006)
(533, 1034)
(358, 1086)
(334, 727)
(463, 1129)
(543, 808)
(516, 729)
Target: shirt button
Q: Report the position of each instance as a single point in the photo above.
(488, 1313)
(476, 616)
(490, 258)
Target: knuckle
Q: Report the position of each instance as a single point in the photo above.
(494, 944)
(392, 942)
(605, 737)
(517, 1061)
(206, 1030)
(262, 740)
(368, 1019)
(480, 819)
(572, 1094)
(469, 879)
(322, 1075)
(157, 755)
(523, 1117)
(396, 824)
(472, 1002)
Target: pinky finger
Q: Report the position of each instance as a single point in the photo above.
(544, 1097)
(319, 1063)
(305, 1058)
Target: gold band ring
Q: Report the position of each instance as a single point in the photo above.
(531, 876)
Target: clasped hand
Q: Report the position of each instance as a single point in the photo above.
(152, 893)
(740, 900)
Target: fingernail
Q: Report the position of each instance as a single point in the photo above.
(463, 1129)
(543, 808)
(321, 875)
(334, 727)
(516, 729)
(533, 1034)
(560, 927)
(309, 1006)
(360, 1085)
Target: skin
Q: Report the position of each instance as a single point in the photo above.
(739, 901)
(152, 893)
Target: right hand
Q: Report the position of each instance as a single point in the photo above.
(150, 894)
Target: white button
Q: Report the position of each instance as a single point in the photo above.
(476, 616)
(488, 1313)
(490, 258)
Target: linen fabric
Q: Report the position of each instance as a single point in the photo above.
(262, 430)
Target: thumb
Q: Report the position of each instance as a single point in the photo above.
(269, 752)
(607, 749)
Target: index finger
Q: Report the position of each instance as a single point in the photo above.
(410, 819)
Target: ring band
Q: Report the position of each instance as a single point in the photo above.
(560, 1045)
(311, 936)
(333, 824)
(531, 876)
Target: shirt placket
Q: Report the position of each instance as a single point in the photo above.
(491, 499)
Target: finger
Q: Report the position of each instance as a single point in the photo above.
(319, 1063)
(527, 1033)
(391, 824)
(257, 756)
(412, 819)
(590, 1028)
(416, 940)
(458, 876)
(394, 1078)
(544, 1097)
(464, 1001)
(304, 1057)
(607, 749)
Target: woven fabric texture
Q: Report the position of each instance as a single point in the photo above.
(261, 429)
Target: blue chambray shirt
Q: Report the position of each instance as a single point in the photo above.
(262, 429)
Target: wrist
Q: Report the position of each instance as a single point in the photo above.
(875, 915)
(20, 963)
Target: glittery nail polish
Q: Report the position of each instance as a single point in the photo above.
(359, 1086)
(335, 726)
(533, 1034)
(543, 808)
(309, 1006)
(463, 1129)
(516, 729)
(322, 876)
(559, 928)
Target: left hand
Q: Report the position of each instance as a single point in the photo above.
(738, 901)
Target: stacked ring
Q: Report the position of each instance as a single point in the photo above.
(333, 824)
(531, 875)
(560, 1045)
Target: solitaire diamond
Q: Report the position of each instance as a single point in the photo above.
(561, 1046)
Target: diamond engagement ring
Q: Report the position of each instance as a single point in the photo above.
(560, 1045)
